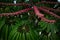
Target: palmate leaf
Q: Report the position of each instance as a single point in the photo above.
(22, 35)
(49, 29)
(13, 31)
(42, 24)
(4, 32)
(9, 30)
(2, 22)
(14, 34)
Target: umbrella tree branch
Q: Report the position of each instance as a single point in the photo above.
(47, 20)
(19, 4)
(12, 4)
(48, 12)
(51, 9)
(47, 2)
(16, 13)
(40, 15)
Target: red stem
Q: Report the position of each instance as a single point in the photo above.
(19, 4)
(51, 9)
(40, 15)
(16, 13)
(47, 2)
(12, 4)
(37, 12)
(46, 20)
(48, 12)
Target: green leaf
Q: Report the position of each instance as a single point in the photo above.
(2, 22)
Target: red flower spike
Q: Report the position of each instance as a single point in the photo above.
(51, 9)
(46, 20)
(47, 2)
(12, 4)
(48, 12)
(16, 13)
(37, 12)
(23, 4)
(40, 15)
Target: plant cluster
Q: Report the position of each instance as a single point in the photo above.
(29, 20)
